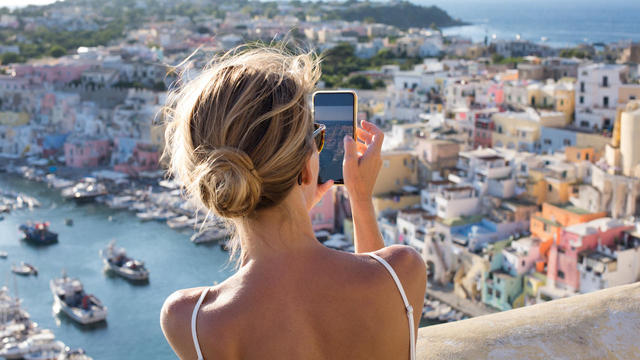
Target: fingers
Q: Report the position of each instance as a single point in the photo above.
(350, 149)
(377, 134)
(362, 148)
(324, 187)
(364, 135)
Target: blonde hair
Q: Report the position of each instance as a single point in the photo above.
(238, 135)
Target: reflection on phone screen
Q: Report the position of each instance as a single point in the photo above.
(335, 110)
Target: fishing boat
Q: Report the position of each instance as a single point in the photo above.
(39, 233)
(85, 191)
(69, 297)
(73, 354)
(24, 269)
(43, 342)
(116, 260)
(209, 234)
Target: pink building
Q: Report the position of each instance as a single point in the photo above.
(58, 73)
(145, 157)
(482, 131)
(562, 267)
(323, 214)
(496, 93)
(521, 256)
(86, 153)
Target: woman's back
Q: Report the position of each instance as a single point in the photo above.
(320, 305)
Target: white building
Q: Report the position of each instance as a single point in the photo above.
(597, 95)
(453, 202)
(603, 267)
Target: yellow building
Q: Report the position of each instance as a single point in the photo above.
(12, 118)
(542, 187)
(521, 130)
(558, 96)
(399, 168)
(395, 187)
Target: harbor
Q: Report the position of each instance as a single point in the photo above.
(173, 262)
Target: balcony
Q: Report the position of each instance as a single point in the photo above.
(598, 325)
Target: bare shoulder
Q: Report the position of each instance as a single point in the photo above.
(175, 319)
(404, 259)
(410, 268)
(213, 326)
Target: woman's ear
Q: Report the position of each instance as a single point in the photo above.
(307, 171)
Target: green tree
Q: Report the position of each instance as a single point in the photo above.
(10, 57)
(57, 51)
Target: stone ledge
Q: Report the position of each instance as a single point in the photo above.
(600, 325)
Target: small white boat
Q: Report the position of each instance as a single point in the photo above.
(120, 202)
(36, 343)
(24, 269)
(69, 297)
(3, 254)
(209, 234)
(116, 260)
(73, 354)
(181, 222)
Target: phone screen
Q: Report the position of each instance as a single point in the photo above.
(336, 111)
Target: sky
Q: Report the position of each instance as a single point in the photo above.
(14, 3)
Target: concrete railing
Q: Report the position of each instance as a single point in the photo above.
(599, 325)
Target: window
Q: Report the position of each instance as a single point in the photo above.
(560, 274)
(547, 141)
(586, 156)
(490, 291)
(584, 123)
(523, 263)
(566, 142)
(385, 163)
(632, 97)
(605, 81)
(607, 123)
(561, 102)
(578, 156)
(498, 294)
(499, 129)
(605, 101)
(549, 187)
(582, 86)
(581, 99)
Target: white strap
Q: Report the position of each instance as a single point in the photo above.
(193, 322)
(408, 306)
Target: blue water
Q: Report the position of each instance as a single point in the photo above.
(563, 22)
(132, 330)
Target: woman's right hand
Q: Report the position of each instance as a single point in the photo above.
(362, 161)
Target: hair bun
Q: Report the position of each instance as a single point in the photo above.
(229, 184)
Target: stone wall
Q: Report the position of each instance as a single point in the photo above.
(599, 325)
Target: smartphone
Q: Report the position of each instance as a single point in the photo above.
(337, 110)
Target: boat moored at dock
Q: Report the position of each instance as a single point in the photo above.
(69, 297)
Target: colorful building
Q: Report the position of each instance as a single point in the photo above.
(562, 266)
(87, 153)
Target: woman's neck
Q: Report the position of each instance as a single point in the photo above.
(279, 230)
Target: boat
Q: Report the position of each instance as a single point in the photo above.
(24, 269)
(180, 222)
(42, 342)
(86, 190)
(120, 202)
(73, 354)
(208, 235)
(68, 222)
(56, 182)
(39, 233)
(51, 352)
(69, 297)
(3, 254)
(116, 260)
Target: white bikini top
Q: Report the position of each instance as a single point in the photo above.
(408, 307)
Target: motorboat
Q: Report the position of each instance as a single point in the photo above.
(24, 269)
(3, 254)
(116, 260)
(69, 297)
(180, 222)
(73, 354)
(39, 343)
(56, 182)
(51, 352)
(120, 202)
(85, 191)
(39, 233)
(209, 234)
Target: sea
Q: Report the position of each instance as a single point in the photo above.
(557, 23)
(132, 329)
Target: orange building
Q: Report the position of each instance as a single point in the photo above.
(547, 225)
(578, 154)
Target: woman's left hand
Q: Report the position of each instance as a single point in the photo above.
(321, 189)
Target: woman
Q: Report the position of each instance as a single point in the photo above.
(241, 138)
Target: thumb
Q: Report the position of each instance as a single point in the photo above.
(350, 149)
